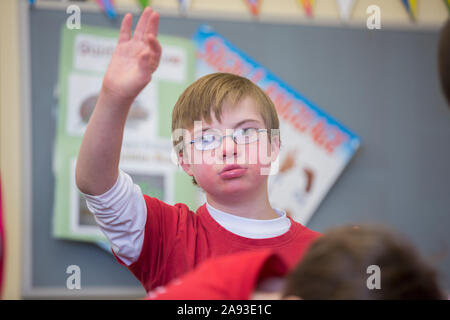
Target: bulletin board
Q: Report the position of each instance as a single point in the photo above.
(382, 84)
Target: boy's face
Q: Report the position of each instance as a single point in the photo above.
(231, 168)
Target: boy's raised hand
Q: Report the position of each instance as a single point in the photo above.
(130, 70)
(135, 57)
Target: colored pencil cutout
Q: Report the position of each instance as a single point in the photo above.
(254, 6)
(345, 8)
(411, 8)
(447, 4)
(108, 8)
(183, 5)
(308, 6)
(143, 4)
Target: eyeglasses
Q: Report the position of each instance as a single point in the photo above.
(210, 141)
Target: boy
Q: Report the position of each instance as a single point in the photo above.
(159, 242)
(334, 268)
(365, 263)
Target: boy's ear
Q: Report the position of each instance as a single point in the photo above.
(185, 163)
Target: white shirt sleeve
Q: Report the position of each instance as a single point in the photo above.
(121, 214)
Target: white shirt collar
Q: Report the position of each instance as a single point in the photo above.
(251, 228)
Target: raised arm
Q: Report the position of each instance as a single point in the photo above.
(133, 62)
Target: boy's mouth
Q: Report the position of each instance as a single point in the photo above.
(232, 171)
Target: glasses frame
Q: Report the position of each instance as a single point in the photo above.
(233, 136)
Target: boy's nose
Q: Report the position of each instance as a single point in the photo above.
(229, 147)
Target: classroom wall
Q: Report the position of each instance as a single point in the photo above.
(10, 144)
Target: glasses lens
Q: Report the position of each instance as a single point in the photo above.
(245, 136)
(206, 142)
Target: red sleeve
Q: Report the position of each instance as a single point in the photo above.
(230, 277)
(167, 230)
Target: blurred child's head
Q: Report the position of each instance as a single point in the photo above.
(339, 265)
(444, 59)
(222, 104)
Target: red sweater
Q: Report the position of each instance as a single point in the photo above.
(176, 240)
(230, 277)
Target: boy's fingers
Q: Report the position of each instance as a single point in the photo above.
(155, 46)
(153, 23)
(139, 32)
(125, 28)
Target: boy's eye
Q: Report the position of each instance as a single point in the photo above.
(245, 132)
(246, 135)
(248, 131)
(207, 142)
(208, 138)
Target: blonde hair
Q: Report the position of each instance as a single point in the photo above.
(208, 93)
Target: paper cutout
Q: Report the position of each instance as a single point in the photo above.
(345, 8)
(108, 7)
(411, 8)
(308, 6)
(254, 6)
